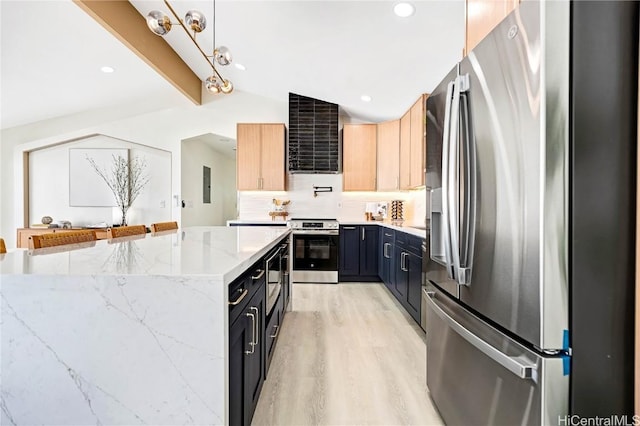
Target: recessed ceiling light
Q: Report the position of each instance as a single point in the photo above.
(403, 9)
(107, 69)
(365, 98)
(241, 67)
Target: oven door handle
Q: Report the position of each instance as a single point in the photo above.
(329, 232)
(276, 254)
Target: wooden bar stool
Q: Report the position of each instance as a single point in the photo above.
(3, 247)
(163, 226)
(125, 231)
(61, 238)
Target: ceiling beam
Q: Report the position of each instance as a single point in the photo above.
(123, 20)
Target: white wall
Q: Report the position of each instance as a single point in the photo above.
(195, 155)
(164, 129)
(49, 185)
(230, 194)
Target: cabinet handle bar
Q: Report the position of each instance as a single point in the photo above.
(242, 296)
(275, 335)
(253, 331)
(260, 275)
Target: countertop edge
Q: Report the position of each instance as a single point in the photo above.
(224, 275)
(242, 267)
(408, 229)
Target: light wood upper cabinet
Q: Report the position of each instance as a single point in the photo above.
(273, 157)
(389, 156)
(401, 148)
(248, 156)
(418, 143)
(359, 157)
(405, 150)
(482, 16)
(260, 157)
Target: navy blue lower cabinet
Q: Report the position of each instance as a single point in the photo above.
(414, 285)
(402, 270)
(385, 257)
(369, 252)
(381, 253)
(272, 330)
(246, 360)
(358, 253)
(401, 274)
(239, 337)
(349, 252)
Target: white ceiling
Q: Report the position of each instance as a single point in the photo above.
(51, 54)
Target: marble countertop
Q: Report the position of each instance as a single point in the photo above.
(217, 251)
(279, 222)
(402, 228)
(416, 230)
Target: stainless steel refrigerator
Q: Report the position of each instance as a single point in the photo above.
(531, 160)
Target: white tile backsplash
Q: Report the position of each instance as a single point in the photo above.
(255, 205)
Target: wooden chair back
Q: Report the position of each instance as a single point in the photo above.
(163, 226)
(125, 231)
(61, 238)
(3, 247)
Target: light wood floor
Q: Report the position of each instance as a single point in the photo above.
(347, 354)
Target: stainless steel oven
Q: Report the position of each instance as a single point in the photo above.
(314, 250)
(286, 273)
(273, 268)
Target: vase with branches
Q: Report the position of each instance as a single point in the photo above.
(126, 179)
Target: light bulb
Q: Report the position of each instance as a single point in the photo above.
(212, 84)
(227, 87)
(158, 22)
(222, 55)
(195, 20)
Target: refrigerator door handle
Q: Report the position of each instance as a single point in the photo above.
(514, 365)
(468, 169)
(445, 180)
(453, 195)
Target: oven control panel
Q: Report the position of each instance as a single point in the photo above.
(313, 224)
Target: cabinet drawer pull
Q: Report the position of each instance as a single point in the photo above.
(253, 308)
(351, 228)
(253, 331)
(388, 235)
(275, 335)
(260, 275)
(242, 296)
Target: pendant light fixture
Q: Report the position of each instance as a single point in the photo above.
(195, 22)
